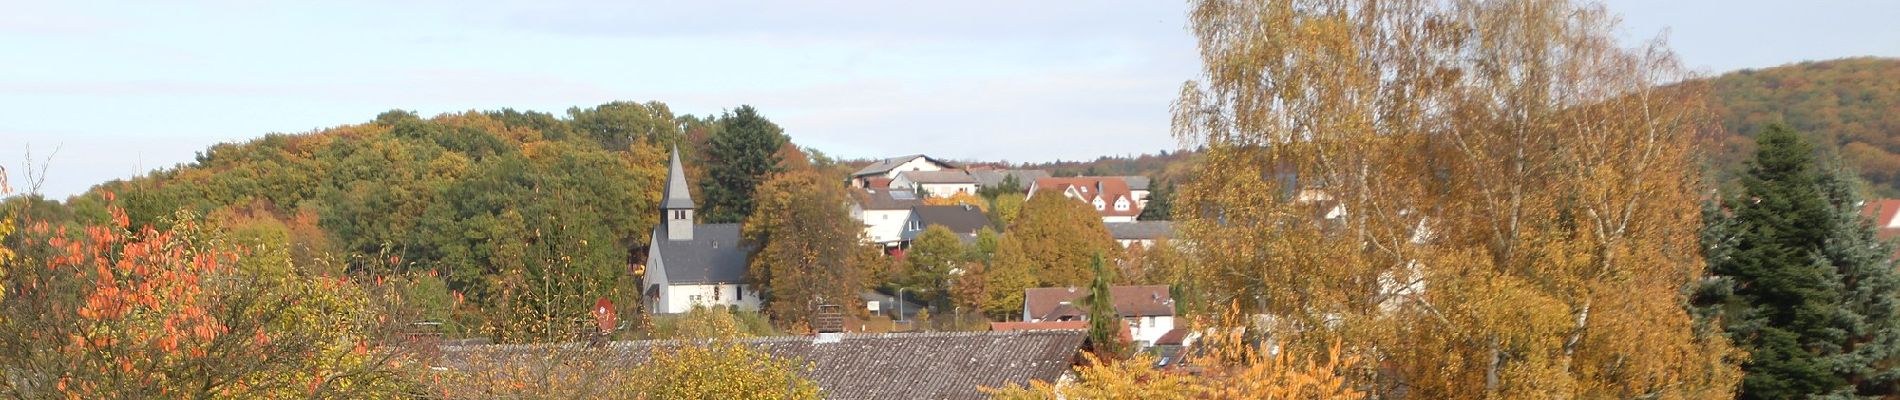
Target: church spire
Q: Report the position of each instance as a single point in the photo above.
(677, 196)
(676, 209)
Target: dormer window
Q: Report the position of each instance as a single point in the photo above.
(1121, 205)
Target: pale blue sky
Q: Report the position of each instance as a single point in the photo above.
(123, 88)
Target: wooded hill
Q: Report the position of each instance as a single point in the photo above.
(1849, 107)
(511, 210)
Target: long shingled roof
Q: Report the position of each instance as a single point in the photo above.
(940, 365)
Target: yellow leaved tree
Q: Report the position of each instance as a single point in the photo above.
(1492, 199)
(1226, 365)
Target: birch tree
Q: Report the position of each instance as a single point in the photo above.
(1483, 198)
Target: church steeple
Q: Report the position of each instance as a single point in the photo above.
(676, 208)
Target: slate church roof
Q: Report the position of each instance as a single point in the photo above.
(715, 255)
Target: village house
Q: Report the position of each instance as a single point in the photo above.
(938, 365)
(1140, 233)
(943, 183)
(962, 220)
(1883, 212)
(883, 212)
(1885, 215)
(1148, 310)
(881, 172)
(992, 178)
(692, 264)
(1112, 196)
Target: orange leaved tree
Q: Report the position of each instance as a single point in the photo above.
(110, 311)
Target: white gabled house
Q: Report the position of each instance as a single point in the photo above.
(883, 212)
(692, 264)
(1115, 197)
(1148, 310)
(943, 183)
(887, 169)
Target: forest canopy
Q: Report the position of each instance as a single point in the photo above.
(483, 211)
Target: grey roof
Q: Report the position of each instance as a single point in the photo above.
(885, 165)
(715, 255)
(944, 176)
(885, 199)
(1136, 182)
(677, 195)
(964, 220)
(1141, 230)
(991, 178)
(938, 365)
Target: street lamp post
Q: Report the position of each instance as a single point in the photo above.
(900, 303)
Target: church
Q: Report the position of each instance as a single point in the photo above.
(693, 264)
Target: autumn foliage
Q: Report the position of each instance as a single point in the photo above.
(1491, 199)
(113, 311)
(1228, 365)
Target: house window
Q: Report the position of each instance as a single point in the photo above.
(679, 214)
(1151, 322)
(694, 298)
(739, 294)
(1121, 205)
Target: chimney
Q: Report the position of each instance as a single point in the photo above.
(829, 319)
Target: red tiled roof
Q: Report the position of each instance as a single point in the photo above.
(1130, 301)
(1039, 326)
(1175, 337)
(1883, 212)
(1107, 188)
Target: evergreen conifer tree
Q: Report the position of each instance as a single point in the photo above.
(1105, 324)
(1776, 289)
(742, 154)
(1869, 290)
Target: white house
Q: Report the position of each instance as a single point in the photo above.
(1148, 309)
(943, 183)
(1109, 195)
(693, 264)
(887, 169)
(883, 212)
